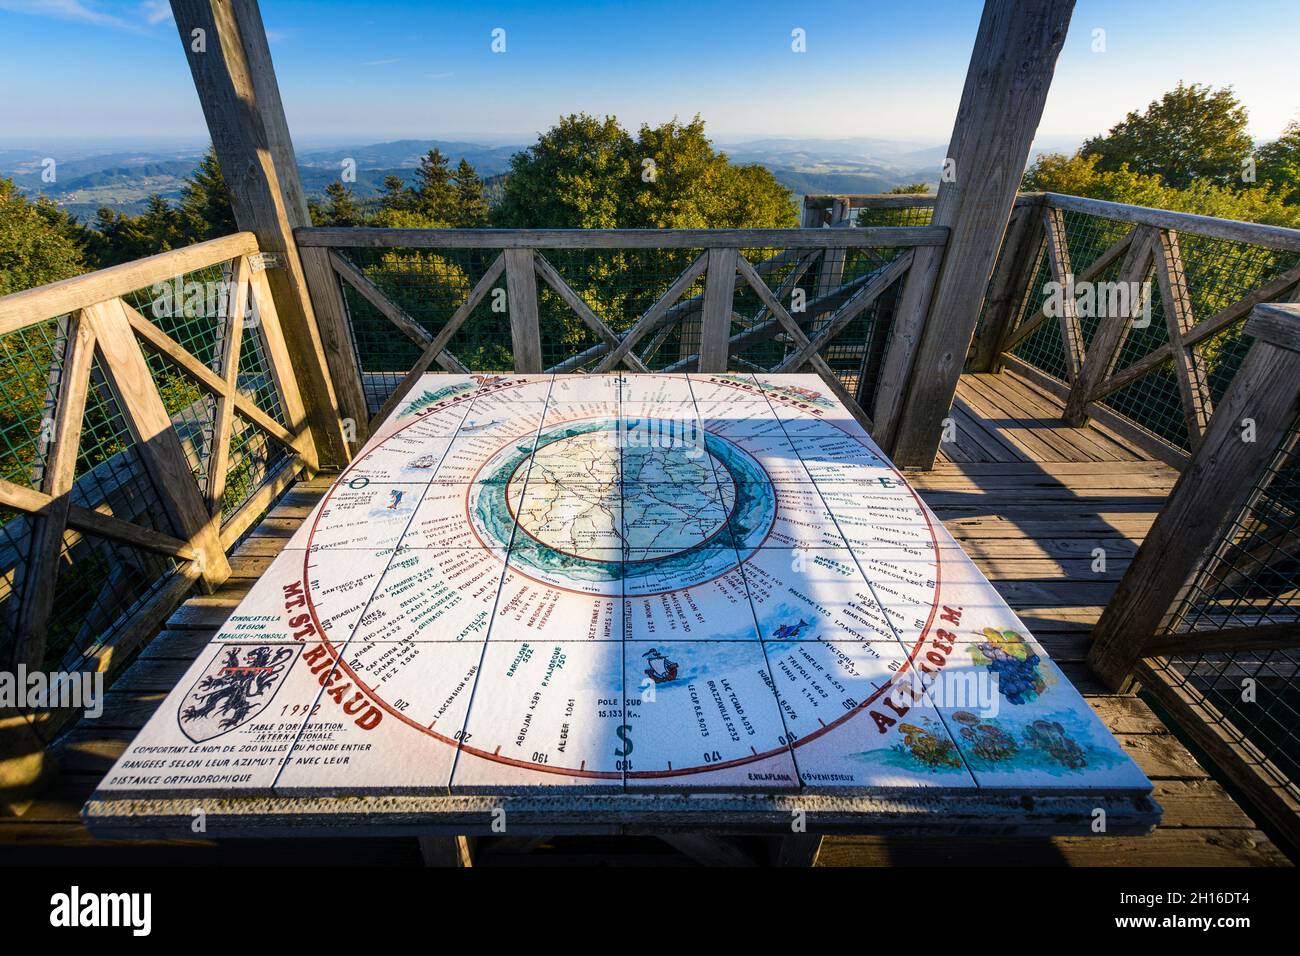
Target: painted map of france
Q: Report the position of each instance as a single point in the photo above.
(647, 583)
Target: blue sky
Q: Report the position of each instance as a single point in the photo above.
(361, 72)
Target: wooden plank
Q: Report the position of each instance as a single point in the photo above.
(41, 568)
(155, 439)
(1006, 86)
(1277, 324)
(521, 289)
(1258, 637)
(372, 238)
(20, 309)
(1275, 237)
(233, 91)
(1189, 365)
(287, 384)
(719, 301)
(1207, 495)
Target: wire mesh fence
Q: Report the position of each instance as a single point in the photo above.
(1250, 580)
(1213, 273)
(99, 583)
(423, 290)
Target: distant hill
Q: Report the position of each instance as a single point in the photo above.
(123, 180)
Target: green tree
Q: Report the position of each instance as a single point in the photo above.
(1192, 132)
(396, 194)
(471, 204)
(341, 207)
(39, 243)
(1080, 175)
(205, 201)
(1278, 163)
(435, 194)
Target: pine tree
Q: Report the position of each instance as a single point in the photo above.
(471, 204)
(396, 194)
(435, 193)
(341, 207)
(205, 201)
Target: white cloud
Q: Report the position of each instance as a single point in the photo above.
(156, 11)
(382, 62)
(72, 10)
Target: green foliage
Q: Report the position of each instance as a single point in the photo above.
(205, 201)
(39, 243)
(1278, 163)
(589, 173)
(910, 189)
(471, 203)
(1081, 175)
(1191, 133)
(340, 207)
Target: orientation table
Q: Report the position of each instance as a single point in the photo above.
(622, 603)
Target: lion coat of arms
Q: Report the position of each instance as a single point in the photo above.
(235, 688)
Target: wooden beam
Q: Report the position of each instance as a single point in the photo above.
(1206, 498)
(224, 420)
(233, 91)
(326, 296)
(444, 336)
(1189, 365)
(1006, 86)
(41, 571)
(1277, 323)
(719, 302)
(521, 296)
(1275, 237)
(20, 309)
(1112, 331)
(1016, 264)
(583, 311)
(1062, 271)
(1258, 637)
(372, 237)
(155, 438)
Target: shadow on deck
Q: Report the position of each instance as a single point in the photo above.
(1029, 499)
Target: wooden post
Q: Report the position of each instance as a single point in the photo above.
(225, 45)
(1014, 272)
(155, 438)
(41, 571)
(719, 300)
(1208, 495)
(521, 297)
(1006, 85)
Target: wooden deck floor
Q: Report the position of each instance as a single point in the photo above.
(1029, 499)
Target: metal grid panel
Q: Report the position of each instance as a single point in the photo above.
(192, 410)
(619, 285)
(898, 216)
(255, 380)
(33, 363)
(254, 459)
(1043, 348)
(191, 308)
(1252, 578)
(429, 286)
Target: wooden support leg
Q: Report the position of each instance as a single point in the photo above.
(709, 850)
(797, 849)
(457, 851)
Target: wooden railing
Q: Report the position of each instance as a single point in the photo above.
(150, 416)
(1184, 284)
(1207, 617)
(597, 300)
